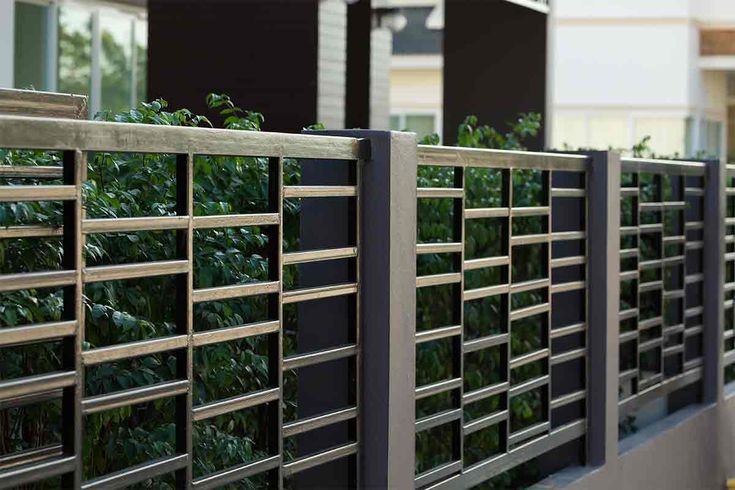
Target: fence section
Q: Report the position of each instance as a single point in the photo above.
(662, 279)
(729, 273)
(283, 418)
(501, 310)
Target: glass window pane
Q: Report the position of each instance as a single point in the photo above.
(141, 59)
(75, 49)
(30, 46)
(116, 60)
(422, 125)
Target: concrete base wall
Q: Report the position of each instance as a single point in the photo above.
(691, 449)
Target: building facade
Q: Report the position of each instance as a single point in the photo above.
(625, 70)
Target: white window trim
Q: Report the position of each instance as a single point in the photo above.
(402, 113)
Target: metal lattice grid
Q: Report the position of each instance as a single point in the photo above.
(662, 276)
(514, 373)
(76, 140)
(729, 274)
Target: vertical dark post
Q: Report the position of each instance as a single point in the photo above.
(603, 242)
(388, 308)
(511, 76)
(714, 279)
(357, 90)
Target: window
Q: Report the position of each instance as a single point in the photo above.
(30, 46)
(421, 124)
(100, 51)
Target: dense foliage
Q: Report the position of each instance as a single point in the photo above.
(129, 185)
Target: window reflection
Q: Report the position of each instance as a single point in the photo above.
(75, 49)
(116, 32)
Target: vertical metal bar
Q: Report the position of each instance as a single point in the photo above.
(185, 314)
(508, 193)
(715, 208)
(659, 187)
(275, 312)
(604, 298)
(355, 425)
(547, 333)
(458, 313)
(73, 244)
(637, 284)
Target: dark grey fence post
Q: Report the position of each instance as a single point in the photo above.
(714, 280)
(388, 308)
(603, 200)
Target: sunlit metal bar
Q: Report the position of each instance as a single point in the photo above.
(134, 396)
(232, 404)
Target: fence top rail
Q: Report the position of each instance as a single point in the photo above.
(451, 156)
(34, 133)
(671, 167)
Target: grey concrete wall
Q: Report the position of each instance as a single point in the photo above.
(691, 449)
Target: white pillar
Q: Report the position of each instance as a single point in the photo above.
(7, 35)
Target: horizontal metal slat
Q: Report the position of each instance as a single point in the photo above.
(522, 287)
(660, 166)
(438, 387)
(232, 404)
(568, 330)
(479, 293)
(135, 271)
(629, 191)
(568, 261)
(319, 255)
(484, 422)
(40, 383)
(567, 399)
(529, 358)
(318, 357)
(209, 337)
(481, 213)
(529, 385)
(122, 225)
(30, 456)
(450, 156)
(310, 294)
(22, 193)
(440, 193)
(568, 286)
(628, 314)
(567, 192)
(438, 248)
(139, 473)
(516, 241)
(315, 191)
(318, 421)
(437, 419)
(567, 356)
(37, 333)
(474, 264)
(235, 291)
(650, 323)
(235, 220)
(133, 349)
(561, 236)
(650, 286)
(525, 434)
(484, 392)
(628, 275)
(36, 280)
(438, 279)
(236, 473)
(628, 253)
(530, 211)
(31, 172)
(323, 457)
(485, 342)
(438, 333)
(521, 313)
(435, 474)
(34, 472)
(628, 336)
(30, 231)
(134, 396)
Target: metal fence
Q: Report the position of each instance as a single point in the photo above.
(531, 277)
(662, 277)
(509, 307)
(76, 140)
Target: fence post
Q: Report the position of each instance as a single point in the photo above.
(714, 280)
(604, 303)
(387, 308)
